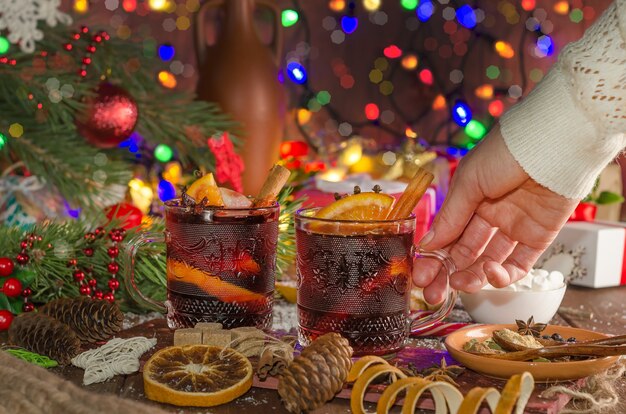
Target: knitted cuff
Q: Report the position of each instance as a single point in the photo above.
(554, 141)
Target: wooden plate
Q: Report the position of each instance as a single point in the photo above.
(542, 371)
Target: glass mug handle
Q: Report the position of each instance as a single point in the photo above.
(129, 270)
(420, 324)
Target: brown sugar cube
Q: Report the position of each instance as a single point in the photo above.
(217, 338)
(248, 340)
(209, 326)
(187, 336)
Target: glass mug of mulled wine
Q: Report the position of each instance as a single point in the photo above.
(354, 278)
(220, 265)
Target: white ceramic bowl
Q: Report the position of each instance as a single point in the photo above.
(505, 306)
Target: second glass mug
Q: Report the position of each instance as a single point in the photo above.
(354, 278)
(220, 266)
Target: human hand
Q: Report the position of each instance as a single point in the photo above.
(495, 223)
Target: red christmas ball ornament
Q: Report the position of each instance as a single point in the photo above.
(27, 292)
(28, 307)
(12, 287)
(22, 258)
(6, 266)
(79, 275)
(6, 318)
(109, 297)
(88, 251)
(93, 283)
(98, 294)
(72, 262)
(110, 117)
(114, 284)
(84, 290)
(113, 251)
(130, 214)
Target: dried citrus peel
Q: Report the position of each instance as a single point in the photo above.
(362, 364)
(474, 399)
(515, 394)
(445, 395)
(366, 378)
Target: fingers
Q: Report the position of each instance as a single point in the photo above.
(464, 252)
(474, 277)
(457, 210)
(515, 267)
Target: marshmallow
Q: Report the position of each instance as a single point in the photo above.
(541, 283)
(556, 279)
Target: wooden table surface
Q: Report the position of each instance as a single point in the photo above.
(608, 307)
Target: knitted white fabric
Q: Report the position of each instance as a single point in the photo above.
(574, 122)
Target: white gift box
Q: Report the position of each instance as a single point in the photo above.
(590, 254)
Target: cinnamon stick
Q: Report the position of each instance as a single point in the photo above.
(412, 195)
(275, 181)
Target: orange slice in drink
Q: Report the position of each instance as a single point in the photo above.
(206, 186)
(196, 375)
(358, 207)
(226, 292)
(288, 289)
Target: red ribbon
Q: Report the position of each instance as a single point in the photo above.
(584, 212)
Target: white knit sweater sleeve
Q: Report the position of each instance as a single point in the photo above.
(574, 122)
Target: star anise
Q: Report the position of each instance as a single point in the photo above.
(443, 372)
(530, 327)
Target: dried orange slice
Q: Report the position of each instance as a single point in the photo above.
(358, 207)
(196, 375)
(206, 186)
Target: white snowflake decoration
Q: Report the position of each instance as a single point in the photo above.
(568, 262)
(20, 18)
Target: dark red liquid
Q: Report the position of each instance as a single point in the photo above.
(221, 266)
(358, 286)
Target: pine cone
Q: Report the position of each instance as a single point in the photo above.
(317, 374)
(44, 335)
(92, 320)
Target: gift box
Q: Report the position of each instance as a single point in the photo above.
(589, 254)
(322, 194)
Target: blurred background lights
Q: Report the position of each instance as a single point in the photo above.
(410, 133)
(166, 190)
(389, 158)
(484, 91)
(167, 79)
(4, 45)
(81, 6)
(425, 10)
(289, 17)
(337, 5)
(16, 130)
(392, 52)
(173, 172)
(371, 5)
(158, 4)
(129, 6)
(466, 16)
(426, 76)
(496, 108)
(545, 46)
(166, 52)
(461, 113)
(528, 5)
(409, 4)
(475, 129)
(439, 102)
(576, 15)
(3, 140)
(371, 111)
(409, 62)
(296, 73)
(163, 153)
(504, 49)
(561, 7)
(304, 116)
(349, 24)
(352, 154)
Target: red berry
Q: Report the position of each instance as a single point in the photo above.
(98, 294)
(28, 307)
(93, 283)
(114, 284)
(6, 318)
(84, 290)
(22, 258)
(79, 275)
(100, 231)
(24, 244)
(88, 251)
(113, 267)
(6, 266)
(72, 262)
(113, 251)
(109, 297)
(12, 287)
(27, 292)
